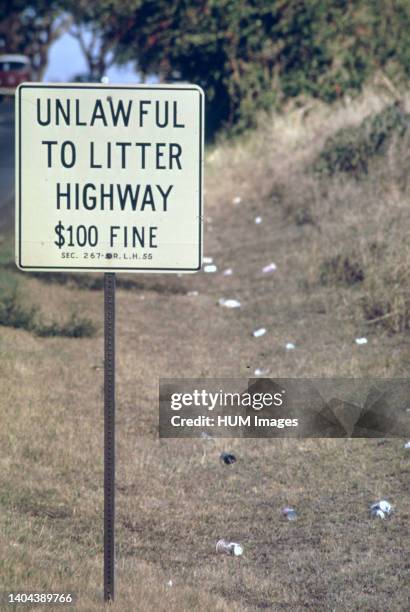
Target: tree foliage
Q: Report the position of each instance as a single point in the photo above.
(249, 55)
(30, 27)
(98, 26)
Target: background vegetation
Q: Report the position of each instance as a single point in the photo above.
(248, 56)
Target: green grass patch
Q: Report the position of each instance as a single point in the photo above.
(15, 311)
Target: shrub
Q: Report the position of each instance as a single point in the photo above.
(351, 149)
(74, 327)
(13, 311)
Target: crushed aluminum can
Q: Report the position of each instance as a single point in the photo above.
(229, 548)
(377, 513)
(381, 509)
(290, 513)
(227, 458)
(261, 371)
(259, 332)
(229, 303)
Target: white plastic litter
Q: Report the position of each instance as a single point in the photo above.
(228, 272)
(237, 200)
(361, 340)
(229, 548)
(208, 260)
(259, 332)
(206, 436)
(290, 513)
(258, 220)
(229, 303)
(290, 346)
(381, 509)
(407, 445)
(169, 583)
(261, 371)
(192, 293)
(269, 268)
(210, 268)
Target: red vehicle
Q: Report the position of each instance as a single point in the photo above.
(14, 69)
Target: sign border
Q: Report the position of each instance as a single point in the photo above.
(110, 87)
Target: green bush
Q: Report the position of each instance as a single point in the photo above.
(74, 327)
(14, 314)
(252, 55)
(351, 149)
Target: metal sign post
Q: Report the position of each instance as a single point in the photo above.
(109, 179)
(109, 435)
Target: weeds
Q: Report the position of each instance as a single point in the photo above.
(14, 312)
(341, 270)
(74, 327)
(386, 302)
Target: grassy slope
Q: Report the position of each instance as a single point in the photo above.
(174, 498)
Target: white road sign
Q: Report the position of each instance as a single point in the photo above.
(109, 178)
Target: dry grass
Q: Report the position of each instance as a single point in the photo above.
(174, 498)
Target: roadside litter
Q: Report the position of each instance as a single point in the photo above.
(208, 260)
(381, 509)
(192, 293)
(290, 346)
(261, 371)
(227, 458)
(229, 548)
(228, 272)
(206, 436)
(258, 220)
(210, 268)
(407, 444)
(269, 268)
(237, 200)
(229, 303)
(361, 341)
(259, 332)
(290, 513)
